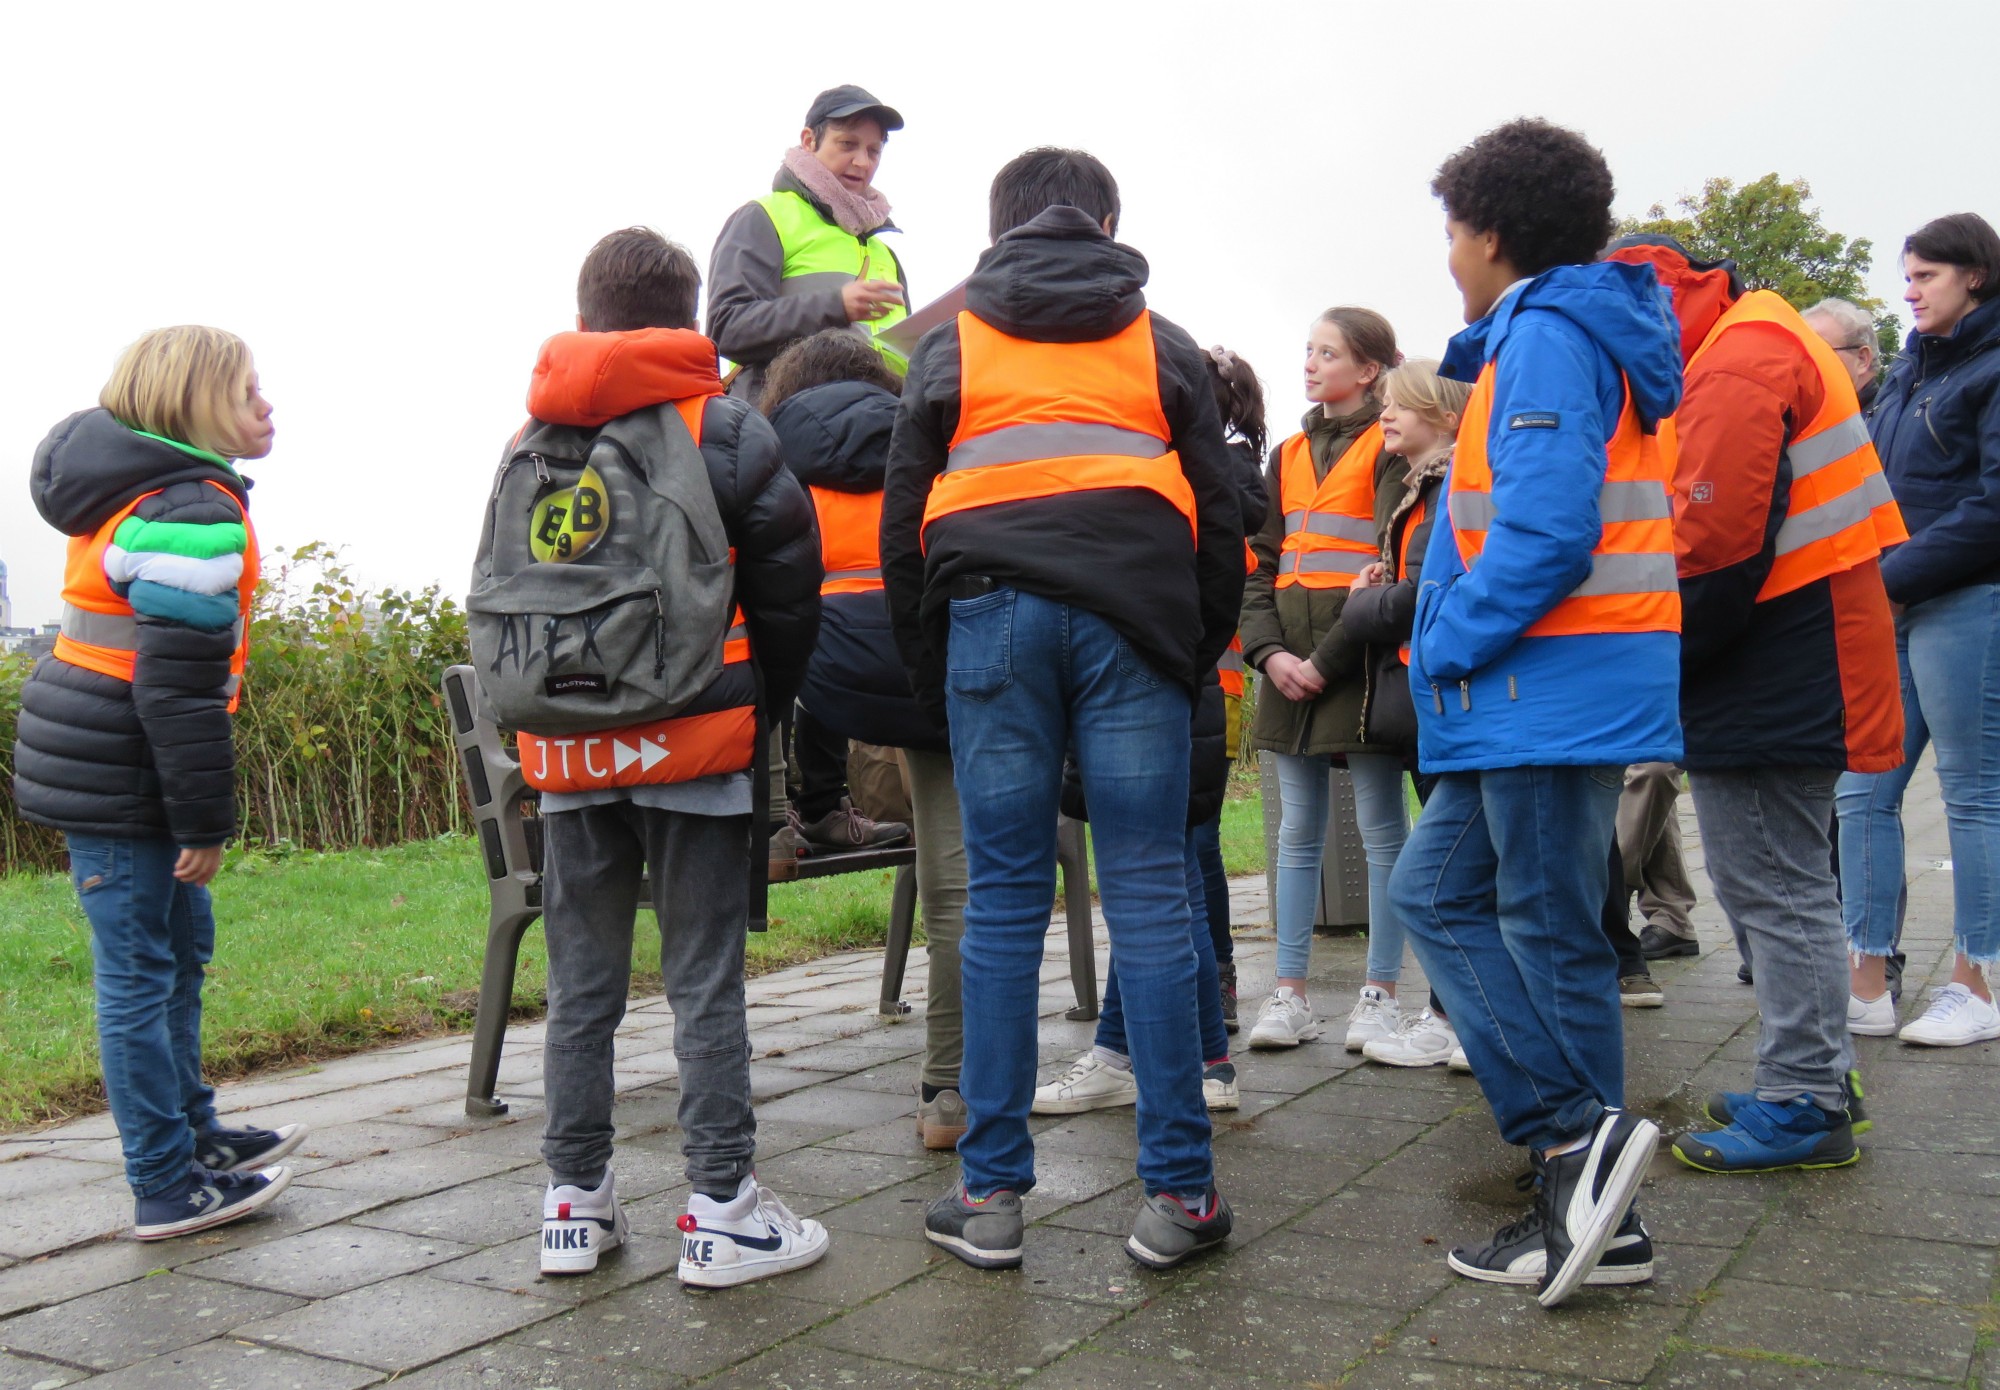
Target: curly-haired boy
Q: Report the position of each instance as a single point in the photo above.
(1545, 659)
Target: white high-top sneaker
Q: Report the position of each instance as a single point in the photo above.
(578, 1225)
(753, 1236)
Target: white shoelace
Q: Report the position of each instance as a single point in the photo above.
(1079, 1069)
(774, 1211)
(1946, 1002)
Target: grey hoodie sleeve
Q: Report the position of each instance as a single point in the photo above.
(747, 319)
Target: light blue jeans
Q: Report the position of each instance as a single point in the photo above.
(1949, 651)
(1384, 819)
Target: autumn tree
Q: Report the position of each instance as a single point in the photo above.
(1777, 242)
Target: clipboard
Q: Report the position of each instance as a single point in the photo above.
(904, 334)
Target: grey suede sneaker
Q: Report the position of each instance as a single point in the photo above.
(941, 1123)
(986, 1234)
(1167, 1233)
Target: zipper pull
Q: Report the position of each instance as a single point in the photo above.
(659, 636)
(1513, 690)
(1437, 697)
(541, 467)
(1465, 694)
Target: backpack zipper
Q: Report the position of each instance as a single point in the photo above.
(659, 636)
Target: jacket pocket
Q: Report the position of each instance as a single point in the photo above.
(979, 654)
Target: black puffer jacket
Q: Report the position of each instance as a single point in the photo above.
(1121, 553)
(836, 437)
(95, 755)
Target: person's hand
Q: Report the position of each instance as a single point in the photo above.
(198, 866)
(867, 300)
(1370, 576)
(1296, 680)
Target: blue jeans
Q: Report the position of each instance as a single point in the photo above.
(1027, 678)
(1383, 817)
(1950, 649)
(1214, 1037)
(150, 938)
(1502, 889)
(1215, 886)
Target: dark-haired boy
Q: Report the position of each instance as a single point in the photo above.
(1063, 561)
(1545, 660)
(683, 811)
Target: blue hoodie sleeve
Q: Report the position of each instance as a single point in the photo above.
(1545, 445)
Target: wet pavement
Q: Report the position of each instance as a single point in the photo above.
(406, 1249)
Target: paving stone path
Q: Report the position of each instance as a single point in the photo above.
(406, 1250)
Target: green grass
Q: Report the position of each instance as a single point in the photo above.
(323, 954)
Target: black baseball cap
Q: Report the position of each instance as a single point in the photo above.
(835, 103)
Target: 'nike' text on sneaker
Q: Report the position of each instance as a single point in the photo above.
(579, 1224)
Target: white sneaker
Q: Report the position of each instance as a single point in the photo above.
(578, 1225)
(1420, 1040)
(1956, 1017)
(1286, 1021)
(1375, 1015)
(1459, 1061)
(1091, 1083)
(1219, 1087)
(753, 1236)
(1872, 1018)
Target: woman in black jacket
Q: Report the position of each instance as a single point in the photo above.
(1420, 413)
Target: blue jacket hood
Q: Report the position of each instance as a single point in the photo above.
(1621, 307)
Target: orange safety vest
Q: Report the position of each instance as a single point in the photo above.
(1632, 585)
(1839, 512)
(1048, 419)
(850, 540)
(100, 632)
(678, 749)
(1330, 521)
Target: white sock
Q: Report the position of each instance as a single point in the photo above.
(1117, 1061)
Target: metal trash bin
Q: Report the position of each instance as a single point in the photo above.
(1343, 877)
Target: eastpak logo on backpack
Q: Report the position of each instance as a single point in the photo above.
(602, 591)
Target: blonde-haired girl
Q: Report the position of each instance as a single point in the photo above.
(124, 742)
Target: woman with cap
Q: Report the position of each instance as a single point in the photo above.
(809, 254)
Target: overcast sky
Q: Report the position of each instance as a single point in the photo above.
(390, 202)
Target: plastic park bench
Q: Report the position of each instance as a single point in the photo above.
(510, 842)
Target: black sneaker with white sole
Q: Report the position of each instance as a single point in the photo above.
(237, 1150)
(1518, 1254)
(986, 1233)
(1585, 1195)
(203, 1199)
(1166, 1232)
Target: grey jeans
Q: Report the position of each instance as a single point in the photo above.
(941, 893)
(1769, 859)
(592, 863)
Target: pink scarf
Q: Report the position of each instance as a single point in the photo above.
(857, 214)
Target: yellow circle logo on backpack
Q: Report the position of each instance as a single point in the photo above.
(570, 520)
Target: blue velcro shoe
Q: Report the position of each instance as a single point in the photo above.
(1721, 1106)
(1764, 1136)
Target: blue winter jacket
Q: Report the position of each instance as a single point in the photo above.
(1936, 423)
(1486, 696)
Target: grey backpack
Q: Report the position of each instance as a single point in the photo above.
(602, 590)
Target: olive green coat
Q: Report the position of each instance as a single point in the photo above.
(1306, 622)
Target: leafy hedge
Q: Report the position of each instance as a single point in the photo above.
(342, 739)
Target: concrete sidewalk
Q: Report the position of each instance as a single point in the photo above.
(406, 1249)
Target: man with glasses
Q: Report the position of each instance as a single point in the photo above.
(1849, 330)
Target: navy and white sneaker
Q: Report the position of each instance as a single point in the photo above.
(753, 1236)
(238, 1150)
(579, 1224)
(1518, 1254)
(1585, 1195)
(203, 1199)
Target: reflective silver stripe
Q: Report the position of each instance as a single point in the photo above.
(1062, 439)
(231, 686)
(736, 633)
(1231, 661)
(1324, 562)
(815, 282)
(119, 631)
(1471, 511)
(1345, 528)
(1828, 446)
(1833, 516)
(853, 574)
(1644, 499)
(1628, 574)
